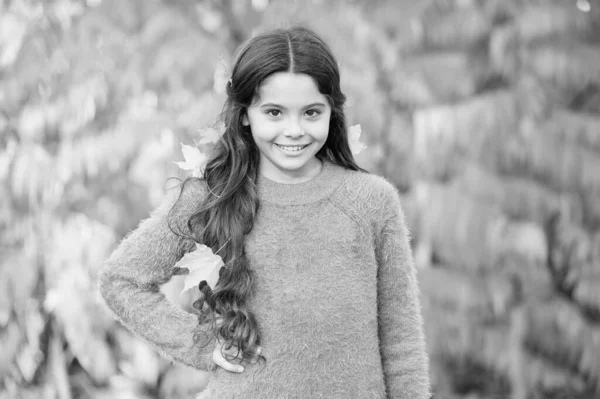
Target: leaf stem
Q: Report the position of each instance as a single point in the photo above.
(226, 242)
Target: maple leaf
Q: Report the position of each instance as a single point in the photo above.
(211, 134)
(196, 157)
(354, 139)
(202, 265)
(195, 160)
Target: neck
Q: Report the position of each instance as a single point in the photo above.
(319, 187)
(307, 173)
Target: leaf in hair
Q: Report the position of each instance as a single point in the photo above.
(195, 160)
(354, 139)
(209, 136)
(203, 265)
(196, 157)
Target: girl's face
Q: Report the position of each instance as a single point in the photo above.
(289, 122)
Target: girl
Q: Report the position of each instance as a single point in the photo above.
(318, 268)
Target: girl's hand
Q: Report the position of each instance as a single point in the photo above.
(219, 352)
(220, 360)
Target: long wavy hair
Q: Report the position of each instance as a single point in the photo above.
(227, 214)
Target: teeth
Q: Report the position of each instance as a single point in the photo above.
(291, 147)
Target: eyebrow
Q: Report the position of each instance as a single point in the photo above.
(317, 104)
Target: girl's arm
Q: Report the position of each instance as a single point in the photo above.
(131, 279)
(402, 341)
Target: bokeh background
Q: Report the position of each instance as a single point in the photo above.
(484, 113)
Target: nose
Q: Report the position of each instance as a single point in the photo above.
(294, 130)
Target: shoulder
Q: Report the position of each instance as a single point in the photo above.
(182, 198)
(192, 190)
(372, 196)
(370, 189)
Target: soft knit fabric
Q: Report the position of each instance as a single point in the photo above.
(336, 294)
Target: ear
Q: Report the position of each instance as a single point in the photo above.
(245, 121)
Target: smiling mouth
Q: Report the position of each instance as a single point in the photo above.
(292, 148)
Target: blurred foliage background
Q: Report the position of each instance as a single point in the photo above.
(484, 113)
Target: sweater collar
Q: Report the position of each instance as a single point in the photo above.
(319, 187)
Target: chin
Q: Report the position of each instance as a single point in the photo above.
(292, 164)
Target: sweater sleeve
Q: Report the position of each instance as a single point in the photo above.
(401, 335)
(130, 282)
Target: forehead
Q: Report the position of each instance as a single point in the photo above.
(289, 89)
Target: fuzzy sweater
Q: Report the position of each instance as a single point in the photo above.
(336, 294)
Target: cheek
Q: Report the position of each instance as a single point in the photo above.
(322, 129)
(262, 129)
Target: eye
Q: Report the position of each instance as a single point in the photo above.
(313, 112)
(273, 112)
